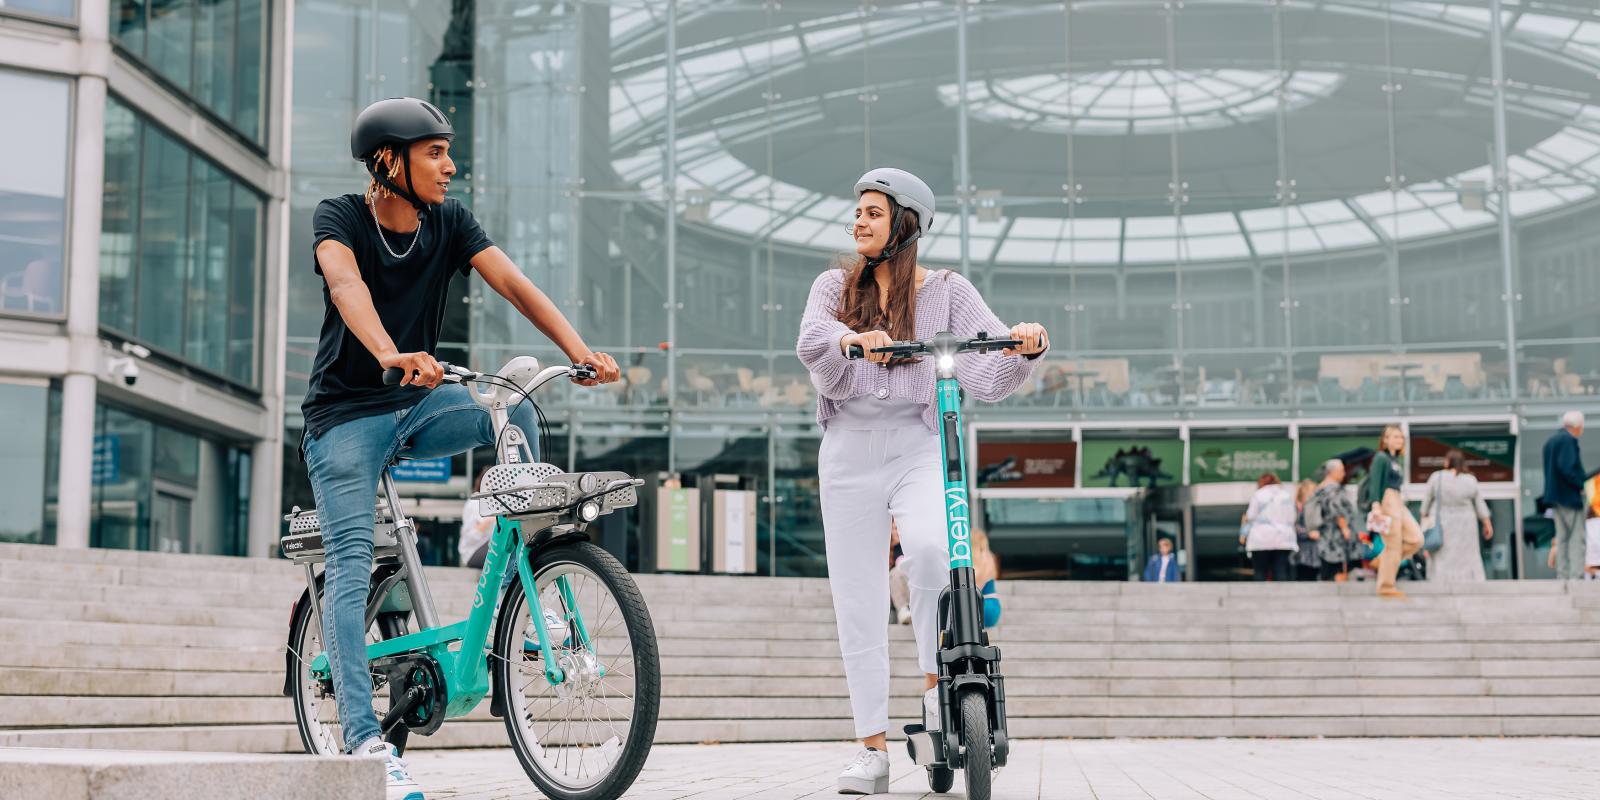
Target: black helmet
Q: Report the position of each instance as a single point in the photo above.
(396, 121)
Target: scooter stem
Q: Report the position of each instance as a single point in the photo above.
(966, 609)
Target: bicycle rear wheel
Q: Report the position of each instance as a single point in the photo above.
(587, 737)
(316, 714)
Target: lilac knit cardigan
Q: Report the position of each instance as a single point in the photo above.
(947, 301)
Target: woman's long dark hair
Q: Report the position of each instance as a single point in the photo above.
(859, 308)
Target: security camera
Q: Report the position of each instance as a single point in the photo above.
(125, 368)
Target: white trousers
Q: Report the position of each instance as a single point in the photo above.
(867, 478)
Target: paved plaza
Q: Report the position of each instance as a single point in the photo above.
(1119, 769)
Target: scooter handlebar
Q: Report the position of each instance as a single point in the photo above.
(985, 345)
(855, 351)
(981, 344)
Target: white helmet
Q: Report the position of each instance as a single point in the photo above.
(908, 190)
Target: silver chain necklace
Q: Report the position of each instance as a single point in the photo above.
(371, 206)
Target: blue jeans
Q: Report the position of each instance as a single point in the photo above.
(344, 464)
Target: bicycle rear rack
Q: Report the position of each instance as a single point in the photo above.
(303, 544)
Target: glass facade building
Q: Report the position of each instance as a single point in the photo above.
(175, 224)
(211, 50)
(1228, 214)
(139, 373)
(33, 197)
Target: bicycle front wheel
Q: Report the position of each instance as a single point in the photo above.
(977, 750)
(585, 737)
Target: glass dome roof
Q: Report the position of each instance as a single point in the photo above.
(1148, 99)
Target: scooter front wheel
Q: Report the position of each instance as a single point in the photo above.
(978, 750)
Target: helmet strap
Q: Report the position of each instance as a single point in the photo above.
(891, 248)
(383, 180)
(411, 194)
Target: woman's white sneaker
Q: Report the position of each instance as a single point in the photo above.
(930, 710)
(867, 774)
(397, 779)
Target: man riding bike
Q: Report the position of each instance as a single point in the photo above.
(386, 257)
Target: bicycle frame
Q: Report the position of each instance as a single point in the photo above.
(459, 647)
(467, 666)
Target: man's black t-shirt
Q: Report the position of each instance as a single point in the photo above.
(409, 294)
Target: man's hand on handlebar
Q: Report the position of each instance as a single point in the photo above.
(605, 367)
(420, 369)
(867, 341)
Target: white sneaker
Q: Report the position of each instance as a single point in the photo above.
(553, 625)
(930, 709)
(398, 781)
(868, 774)
(904, 616)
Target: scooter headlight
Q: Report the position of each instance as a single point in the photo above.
(947, 362)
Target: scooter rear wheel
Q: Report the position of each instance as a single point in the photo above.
(978, 758)
(940, 779)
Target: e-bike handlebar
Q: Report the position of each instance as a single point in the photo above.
(455, 374)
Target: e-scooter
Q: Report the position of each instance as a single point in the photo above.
(972, 707)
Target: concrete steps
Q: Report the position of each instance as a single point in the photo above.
(90, 775)
(118, 649)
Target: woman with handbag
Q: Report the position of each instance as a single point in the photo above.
(1452, 511)
(1267, 531)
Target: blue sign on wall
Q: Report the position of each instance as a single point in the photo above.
(107, 460)
(422, 470)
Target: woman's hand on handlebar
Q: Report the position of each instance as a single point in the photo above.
(421, 369)
(867, 341)
(1034, 339)
(605, 367)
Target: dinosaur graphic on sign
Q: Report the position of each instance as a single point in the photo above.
(1004, 472)
(1135, 464)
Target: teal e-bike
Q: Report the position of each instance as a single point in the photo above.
(571, 667)
(971, 735)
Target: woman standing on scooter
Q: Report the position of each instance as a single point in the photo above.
(880, 447)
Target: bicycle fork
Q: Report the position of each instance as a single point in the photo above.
(573, 616)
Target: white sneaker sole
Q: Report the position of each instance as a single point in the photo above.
(864, 785)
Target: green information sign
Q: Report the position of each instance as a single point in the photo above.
(1227, 460)
(1141, 463)
(1314, 450)
(678, 504)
